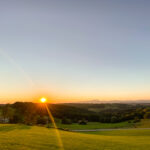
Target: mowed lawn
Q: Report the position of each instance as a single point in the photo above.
(96, 125)
(145, 123)
(21, 137)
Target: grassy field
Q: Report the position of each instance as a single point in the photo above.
(21, 137)
(124, 132)
(96, 125)
(145, 123)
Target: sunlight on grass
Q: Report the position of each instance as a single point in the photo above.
(37, 138)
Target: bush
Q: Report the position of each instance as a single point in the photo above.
(113, 119)
(82, 122)
(48, 126)
(66, 121)
(129, 121)
(136, 119)
(147, 115)
(41, 120)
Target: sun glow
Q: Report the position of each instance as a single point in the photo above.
(43, 100)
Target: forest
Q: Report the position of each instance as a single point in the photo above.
(36, 113)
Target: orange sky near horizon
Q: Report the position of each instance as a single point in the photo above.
(59, 98)
(72, 51)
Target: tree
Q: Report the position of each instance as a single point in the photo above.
(147, 115)
(83, 122)
(42, 120)
(136, 119)
(113, 119)
(66, 121)
(8, 113)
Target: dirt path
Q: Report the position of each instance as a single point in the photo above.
(94, 130)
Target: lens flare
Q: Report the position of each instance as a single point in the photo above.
(61, 147)
(44, 100)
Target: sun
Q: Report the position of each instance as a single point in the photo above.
(43, 100)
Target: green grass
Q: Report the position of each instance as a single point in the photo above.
(123, 132)
(96, 125)
(21, 137)
(145, 123)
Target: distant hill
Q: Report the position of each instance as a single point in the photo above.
(116, 101)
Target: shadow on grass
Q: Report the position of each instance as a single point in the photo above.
(7, 128)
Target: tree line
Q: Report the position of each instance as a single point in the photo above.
(36, 113)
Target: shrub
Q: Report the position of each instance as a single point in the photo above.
(113, 119)
(66, 121)
(147, 115)
(82, 122)
(136, 119)
(41, 120)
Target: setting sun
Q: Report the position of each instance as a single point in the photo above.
(43, 99)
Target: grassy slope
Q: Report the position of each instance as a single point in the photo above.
(145, 123)
(20, 137)
(125, 132)
(96, 125)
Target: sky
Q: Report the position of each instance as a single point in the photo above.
(74, 50)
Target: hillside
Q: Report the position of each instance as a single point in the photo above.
(16, 137)
(36, 113)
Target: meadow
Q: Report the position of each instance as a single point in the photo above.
(95, 125)
(22, 137)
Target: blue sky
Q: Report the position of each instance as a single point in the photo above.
(74, 50)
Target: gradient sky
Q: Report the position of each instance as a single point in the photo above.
(74, 50)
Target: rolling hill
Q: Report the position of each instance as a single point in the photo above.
(21, 137)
